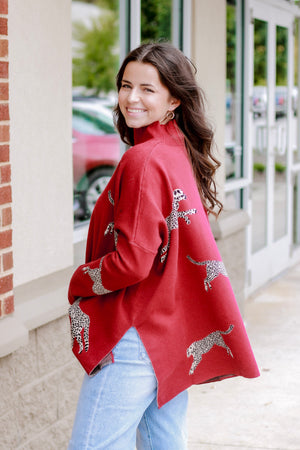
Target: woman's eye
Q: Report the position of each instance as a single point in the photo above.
(149, 90)
(125, 86)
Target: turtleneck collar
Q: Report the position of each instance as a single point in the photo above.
(168, 133)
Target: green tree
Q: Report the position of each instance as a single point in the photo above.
(260, 52)
(231, 45)
(281, 56)
(96, 62)
(156, 20)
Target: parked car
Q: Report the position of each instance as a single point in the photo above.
(96, 152)
(259, 101)
(280, 101)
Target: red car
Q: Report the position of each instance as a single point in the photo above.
(96, 152)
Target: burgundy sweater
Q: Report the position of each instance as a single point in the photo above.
(152, 263)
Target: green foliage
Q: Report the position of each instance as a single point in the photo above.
(260, 52)
(280, 168)
(113, 5)
(259, 167)
(296, 45)
(96, 64)
(156, 20)
(231, 45)
(281, 56)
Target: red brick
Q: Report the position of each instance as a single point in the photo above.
(6, 217)
(6, 284)
(3, 48)
(5, 174)
(5, 195)
(4, 91)
(3, 69)
(4, 133)
(3, 26)
(4, 111)
(8, 261)
(4, 153)
(8, 305)
(5, 239)
(3, 6)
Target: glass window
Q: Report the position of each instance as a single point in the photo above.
(234, 199)
(156, 19)
(296, 140)
(296, 210)
(260, 135)
(295, 100)
(97, 48)
(281, 120)
(162, 20)
(233, 139)
(95, 61)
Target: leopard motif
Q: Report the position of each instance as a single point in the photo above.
(172, 219)
(110, 229)
(79, 321)
(213, 270)
(95, 275)
(198, 348)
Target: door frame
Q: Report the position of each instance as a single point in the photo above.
(275, 256)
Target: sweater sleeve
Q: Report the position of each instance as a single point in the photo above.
(139, 227)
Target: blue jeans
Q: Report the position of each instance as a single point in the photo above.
(117, 408)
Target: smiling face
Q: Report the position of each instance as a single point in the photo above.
(143, 99)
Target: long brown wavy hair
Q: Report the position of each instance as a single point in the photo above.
(177, 74)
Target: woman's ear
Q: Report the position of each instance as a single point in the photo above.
(174, 104)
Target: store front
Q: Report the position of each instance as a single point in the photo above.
(260, 149)
(273, 149)
(263, 133)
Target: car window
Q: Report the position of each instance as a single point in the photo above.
(87, 123)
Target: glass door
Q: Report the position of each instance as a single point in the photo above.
(270, 141)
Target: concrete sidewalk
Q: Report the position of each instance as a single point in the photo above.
(262, 413)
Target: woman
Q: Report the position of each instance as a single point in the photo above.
(152, 309)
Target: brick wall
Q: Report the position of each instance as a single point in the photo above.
(6, 257)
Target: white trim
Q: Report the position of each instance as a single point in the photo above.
(175, 37)
(80, 233)
(36, 303)
(123, 6)
(283, 5)
(234, 185)
(45, 299)
(275, 13)
(135, 23)
(296, 168)
(187, 26)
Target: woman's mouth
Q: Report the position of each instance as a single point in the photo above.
(135, 110)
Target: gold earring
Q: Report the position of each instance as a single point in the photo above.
(169, 116)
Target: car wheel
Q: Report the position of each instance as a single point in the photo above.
(97, 182)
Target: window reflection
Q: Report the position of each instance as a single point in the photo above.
(296, 210)
(260, 135)
(281, 127)
(295, 127)
(233, 145)
(156, 20)
(95, 61)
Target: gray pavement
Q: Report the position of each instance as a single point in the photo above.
(261, 413)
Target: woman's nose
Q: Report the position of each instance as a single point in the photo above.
(133, 95)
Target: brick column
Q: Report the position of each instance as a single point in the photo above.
(6, 258)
